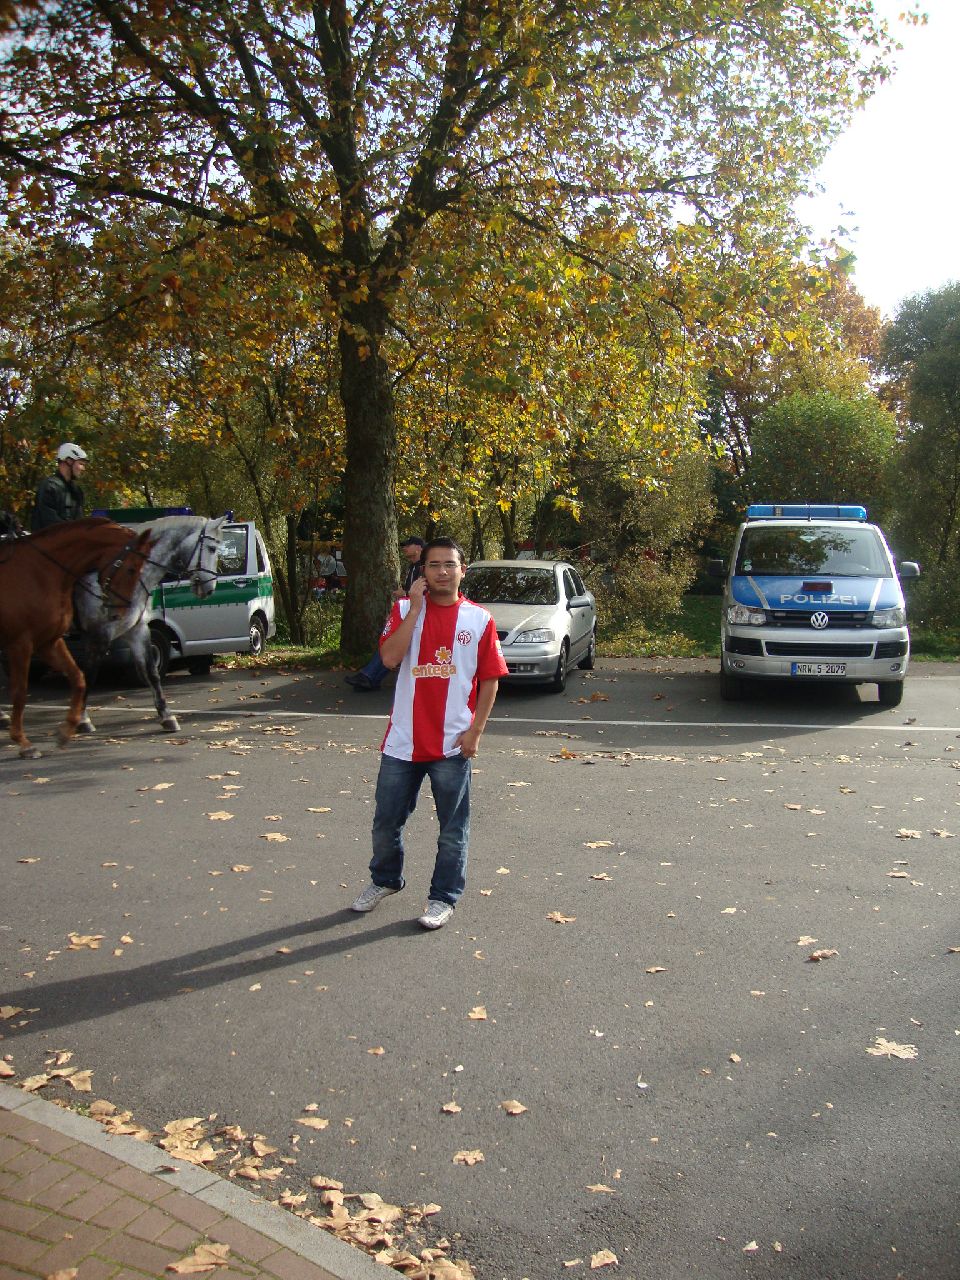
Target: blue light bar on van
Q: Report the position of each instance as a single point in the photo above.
(803, 511)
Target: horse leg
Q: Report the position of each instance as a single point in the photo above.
(94, 651)
(18, 672)
(146, 664)
(57, 655)
(88, 617)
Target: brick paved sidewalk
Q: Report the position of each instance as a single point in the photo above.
(74, 1199)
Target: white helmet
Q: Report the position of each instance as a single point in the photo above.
(71, 453)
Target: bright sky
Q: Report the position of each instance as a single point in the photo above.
(892, 179)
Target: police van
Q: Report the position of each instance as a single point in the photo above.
(238, 617)
(812, 593)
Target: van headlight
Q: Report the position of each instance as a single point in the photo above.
(541, 635)
(890, 617)
(741, 615)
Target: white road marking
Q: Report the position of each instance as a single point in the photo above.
(569, 723)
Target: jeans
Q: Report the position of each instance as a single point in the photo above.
(398, 786)
(375, 671)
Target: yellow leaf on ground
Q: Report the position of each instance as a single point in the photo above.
(6, 1071)
(478, 1013)
(80, 1080)
(604, 1258)
(33, 1083)
(277, 837)
(887, 1049)
(597, 844)
(80, 940)
(240, 867)
(9, 1010)
(513, 1108)
(378, 1052)
(906, 834)
(655, 968)
(451, 1108)
(557, 917)
(219, 815)
(313, 1122)
(206, 1257)
(601, 1187)
(468, 1157)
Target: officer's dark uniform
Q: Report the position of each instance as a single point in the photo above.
(57, 499)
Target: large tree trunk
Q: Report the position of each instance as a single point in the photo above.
(370, 521)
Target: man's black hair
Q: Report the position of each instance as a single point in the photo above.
(444, 542)
(412, 542)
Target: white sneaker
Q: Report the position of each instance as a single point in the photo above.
(436, 915)
(371, 897)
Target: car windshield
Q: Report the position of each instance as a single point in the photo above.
(500, 584)
(806, 549)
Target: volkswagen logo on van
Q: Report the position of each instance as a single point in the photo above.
(819, 620)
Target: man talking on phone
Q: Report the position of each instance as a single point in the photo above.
(450, 666)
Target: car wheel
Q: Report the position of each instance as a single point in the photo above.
(559, 681)
(589, 659)
(160, 644)
(200, 665)
(890, 693)
(258, 637)
(732, 688)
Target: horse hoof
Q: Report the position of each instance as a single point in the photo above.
(30, 753)
(170, 724)
(86, 726)
(64, 738)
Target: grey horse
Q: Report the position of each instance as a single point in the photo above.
(184, 547)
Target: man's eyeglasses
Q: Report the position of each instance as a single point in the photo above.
(443, 564)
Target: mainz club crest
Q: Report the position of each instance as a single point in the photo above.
(464, 637)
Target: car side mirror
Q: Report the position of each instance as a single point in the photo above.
(717, 568)
(909, 569)
(578, 602)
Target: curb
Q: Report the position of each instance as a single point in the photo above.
(315, 1245)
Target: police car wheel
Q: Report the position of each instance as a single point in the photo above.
(258, 637)
(732, 688)
(160, 644)
(890, 693)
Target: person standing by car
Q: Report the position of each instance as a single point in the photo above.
(59, 497)
(374, 673)
(450, 666)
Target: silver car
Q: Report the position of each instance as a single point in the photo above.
(545, 617)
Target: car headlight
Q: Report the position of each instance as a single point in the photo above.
(742, 615)
(890, 617)
(540, 635)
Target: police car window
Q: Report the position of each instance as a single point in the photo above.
(261, 561)
(791, 550)
(233, 552)
(569, 586)
(578, 583)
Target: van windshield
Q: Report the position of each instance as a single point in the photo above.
(790, 550)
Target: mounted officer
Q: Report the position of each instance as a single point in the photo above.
(59, 496)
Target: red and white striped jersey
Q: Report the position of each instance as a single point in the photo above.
(452, 648)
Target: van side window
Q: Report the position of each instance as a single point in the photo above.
(232, 558)
(261, 558)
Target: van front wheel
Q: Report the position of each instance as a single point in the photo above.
(890, 693)
(258, 637)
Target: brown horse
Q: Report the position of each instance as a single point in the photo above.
(37, 576)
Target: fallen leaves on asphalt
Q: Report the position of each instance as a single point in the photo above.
(888, 1049)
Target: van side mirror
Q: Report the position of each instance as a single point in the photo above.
(717, 568)
(909, 569)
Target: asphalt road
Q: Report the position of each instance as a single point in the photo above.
(701, 1099)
